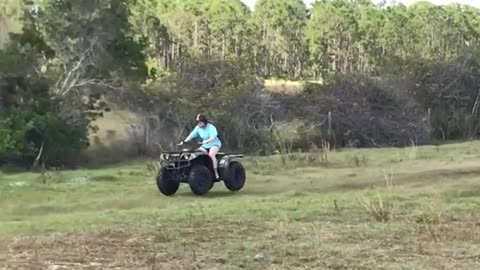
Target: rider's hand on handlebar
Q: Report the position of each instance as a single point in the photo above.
(181, 143)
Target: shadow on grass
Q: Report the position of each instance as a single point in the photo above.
(211, 194)
(220, 194)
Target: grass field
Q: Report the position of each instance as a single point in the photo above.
(413, 208)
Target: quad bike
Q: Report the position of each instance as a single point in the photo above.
(195, 167)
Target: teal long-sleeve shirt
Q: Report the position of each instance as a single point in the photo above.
(205, 133)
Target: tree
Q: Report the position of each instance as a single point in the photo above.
(279, 27)
(147, 26)
(11, 12)
(359, 111)
(33, 128)
(227, 24)
(90, 43)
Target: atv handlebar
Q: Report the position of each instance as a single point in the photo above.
(189, 146)
(183, 142)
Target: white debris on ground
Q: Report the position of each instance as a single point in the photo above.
(70, 266)
(18, 184)
(259, 257)
(80, 180)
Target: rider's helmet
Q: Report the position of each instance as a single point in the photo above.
(202, 119)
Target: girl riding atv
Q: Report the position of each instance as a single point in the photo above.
(210, 142)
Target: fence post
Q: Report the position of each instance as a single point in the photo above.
(429, 119)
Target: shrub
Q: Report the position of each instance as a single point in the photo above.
(33, 125)
(354, 108)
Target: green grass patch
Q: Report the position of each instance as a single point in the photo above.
(357, 210)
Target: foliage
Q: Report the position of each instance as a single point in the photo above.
(32, 126)
(415, 68)
(279, 26)
(356, 110)
(451, 93)
(89, 42)
(227, 92)
(280, 38)
(10, 18)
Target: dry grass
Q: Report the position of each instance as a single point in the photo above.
(379, 207)
(285, 86)
(283, 244)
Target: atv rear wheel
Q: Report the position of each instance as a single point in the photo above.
(166, 183)
(235, 179)
(200, 180)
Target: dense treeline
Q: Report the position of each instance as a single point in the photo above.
(280, 38)
(391, 74)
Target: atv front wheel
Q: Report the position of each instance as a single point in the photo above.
(200, 180)
(235, 179)
(166, 183)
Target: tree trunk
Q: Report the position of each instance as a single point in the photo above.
(195, 36)
(237, 51)
(39, 156)
(223, 46)
(146, 135)
(173, 48)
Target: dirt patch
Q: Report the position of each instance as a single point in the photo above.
(189, 247)
(248, 245)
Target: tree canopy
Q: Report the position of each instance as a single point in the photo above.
(58, 58)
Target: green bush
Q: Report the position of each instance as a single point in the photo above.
(30, 118)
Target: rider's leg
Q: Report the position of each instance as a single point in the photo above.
(213, 155)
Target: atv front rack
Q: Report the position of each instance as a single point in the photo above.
(176, 160)
(177, 165)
